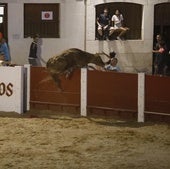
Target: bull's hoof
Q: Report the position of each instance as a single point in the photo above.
(67, 75)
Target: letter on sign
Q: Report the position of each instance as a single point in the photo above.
(6, 89)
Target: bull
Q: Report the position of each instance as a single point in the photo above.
(71, 59)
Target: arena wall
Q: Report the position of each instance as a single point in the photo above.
(77, 29)
(108, 94)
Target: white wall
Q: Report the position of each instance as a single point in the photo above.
(132, 54)
(71, 29)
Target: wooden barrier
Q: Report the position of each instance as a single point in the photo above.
(112, 94)
(157, 98)
(157, 94)
(45, 94)
(108, 93)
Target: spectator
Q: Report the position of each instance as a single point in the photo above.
(160, 59)
(159, 40)
(4, 50)
(164, 60)
(33, 51)
(118, 25)
(103, 22)
(112, 65)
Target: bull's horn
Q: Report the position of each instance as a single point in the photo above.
(106, 54)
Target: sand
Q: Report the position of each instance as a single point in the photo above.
(44, 140)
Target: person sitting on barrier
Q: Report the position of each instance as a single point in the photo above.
(118, 25)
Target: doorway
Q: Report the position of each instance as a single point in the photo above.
(161, 26)
(162, 22)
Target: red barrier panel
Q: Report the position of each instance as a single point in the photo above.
(157, 94)
(112, 90)
(44, 90)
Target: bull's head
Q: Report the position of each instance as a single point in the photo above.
(105, 57)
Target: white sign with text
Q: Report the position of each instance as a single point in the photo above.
(11, 89)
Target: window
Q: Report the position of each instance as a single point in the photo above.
(4, 20)
(42, 19)
(132, 14)
(1, 14)
(162, 21)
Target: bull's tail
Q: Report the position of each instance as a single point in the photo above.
(52, 77)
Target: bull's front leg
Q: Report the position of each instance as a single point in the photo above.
(57, 81)
(68, 73)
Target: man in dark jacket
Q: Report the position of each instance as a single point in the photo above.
(103, 25)
(33, 51)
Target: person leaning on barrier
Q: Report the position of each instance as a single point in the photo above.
(118, 25)
(110, 65)
(4, 50)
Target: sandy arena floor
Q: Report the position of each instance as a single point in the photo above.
(38, 141)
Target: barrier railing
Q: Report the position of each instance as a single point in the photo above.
(102, 90)
(25, 87)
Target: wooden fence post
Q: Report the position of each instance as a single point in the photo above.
(141, 96)
(83, 94)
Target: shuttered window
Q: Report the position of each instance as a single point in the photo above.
(132, 14)
(42, 19)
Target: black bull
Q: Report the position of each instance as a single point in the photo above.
(69, 60)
